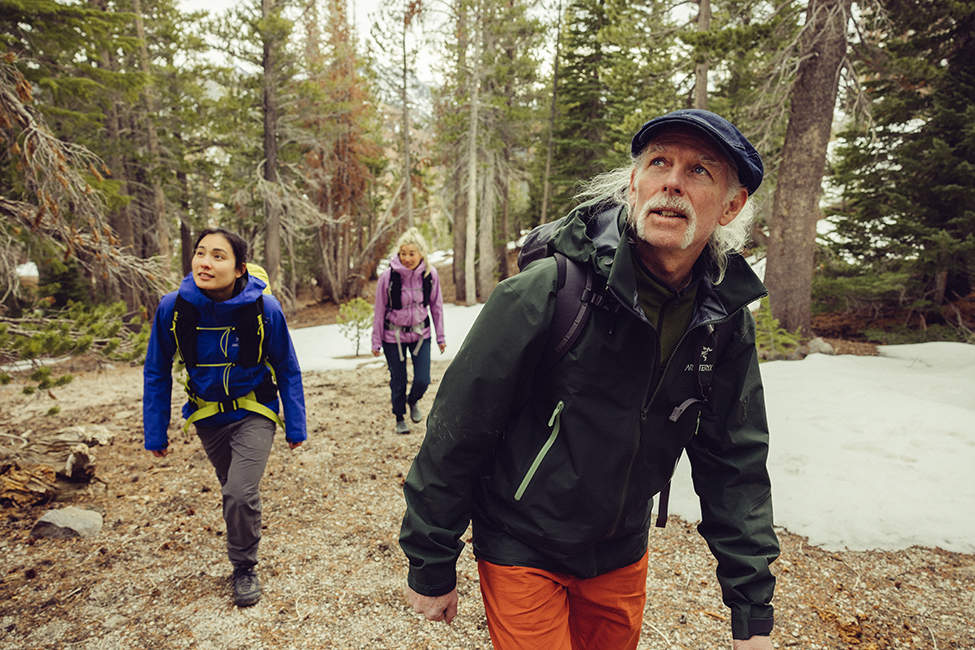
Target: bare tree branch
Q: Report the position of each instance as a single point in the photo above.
(60, 205)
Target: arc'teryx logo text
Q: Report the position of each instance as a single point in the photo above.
(705, 366)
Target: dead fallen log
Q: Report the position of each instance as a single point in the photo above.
(68, 454)
(27, 486)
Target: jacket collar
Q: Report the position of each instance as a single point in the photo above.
(192, 293)
(397, 266)
(599, 235)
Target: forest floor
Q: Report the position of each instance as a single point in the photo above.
(156, 576)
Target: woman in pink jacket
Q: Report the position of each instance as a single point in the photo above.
(407, 295)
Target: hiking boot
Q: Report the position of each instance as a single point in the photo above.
(416, 413)
(247, 588)
(402, 426)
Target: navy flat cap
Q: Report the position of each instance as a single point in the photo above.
(718, 129)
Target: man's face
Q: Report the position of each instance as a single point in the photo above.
(679, 192)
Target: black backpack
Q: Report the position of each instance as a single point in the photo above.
(578, 290)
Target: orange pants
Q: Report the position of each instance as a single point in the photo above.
(535, 609)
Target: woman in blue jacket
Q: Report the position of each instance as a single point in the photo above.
(231, 338)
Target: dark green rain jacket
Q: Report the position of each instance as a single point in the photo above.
(556, 467)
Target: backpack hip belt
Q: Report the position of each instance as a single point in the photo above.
(249, 402)
(413, 329)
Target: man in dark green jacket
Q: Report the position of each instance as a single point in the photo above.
(556, 466)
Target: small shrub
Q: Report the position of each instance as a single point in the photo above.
(355, 318)
(772, 340)
(63, 380)
(54, 410)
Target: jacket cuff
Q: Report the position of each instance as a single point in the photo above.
(748, 621)
(432, 582)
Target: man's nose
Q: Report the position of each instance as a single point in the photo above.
(672, 182)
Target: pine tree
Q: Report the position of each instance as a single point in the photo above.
(343, 155)
(615, 74)
(907, 174)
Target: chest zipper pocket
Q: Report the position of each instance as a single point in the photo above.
(554, 422)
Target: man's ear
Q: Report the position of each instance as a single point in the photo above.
(734, 206)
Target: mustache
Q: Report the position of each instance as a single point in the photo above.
(669, 202)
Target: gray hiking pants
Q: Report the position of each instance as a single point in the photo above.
(239, 453)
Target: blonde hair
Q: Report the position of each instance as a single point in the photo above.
(613, 186)
(413, 236)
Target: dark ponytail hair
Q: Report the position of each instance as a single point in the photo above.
(237, 245)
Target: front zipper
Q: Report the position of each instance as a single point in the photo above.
(554, 422)
(652, 393)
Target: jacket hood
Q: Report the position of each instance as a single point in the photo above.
(192, 293)
(592, 233)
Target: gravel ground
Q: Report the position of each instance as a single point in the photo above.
(157, 575)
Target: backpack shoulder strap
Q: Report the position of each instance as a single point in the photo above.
(572, 305)
(251, 334)
(427, 288)
(395, 291)
(185, 319)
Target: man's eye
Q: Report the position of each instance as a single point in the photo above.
(701, 169)
(657, 162)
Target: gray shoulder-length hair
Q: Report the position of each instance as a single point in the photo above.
(613, 186)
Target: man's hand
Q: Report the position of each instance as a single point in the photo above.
(443, 346)
(160, 452)
(375, 353)
(754, 643)
(295, 445)
(434, 608)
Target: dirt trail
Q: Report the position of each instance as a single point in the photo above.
(157, 575)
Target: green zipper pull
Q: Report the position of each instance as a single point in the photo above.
(555, 413)
(554, 423)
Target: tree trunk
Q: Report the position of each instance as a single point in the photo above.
(701, 68)
(546, 185)
(505, 225)
(470, 290)
(272, 215)
(486, 256)
(121, 219)
(185, 230)
(459, 265)
(795, 211)
(405, 127)
(149, 99)
(459, 237)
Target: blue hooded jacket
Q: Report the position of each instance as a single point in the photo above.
(219, 346)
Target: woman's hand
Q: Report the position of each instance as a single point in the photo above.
(442, 346)
(159, 453)
(375, 353)
(295, 445)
